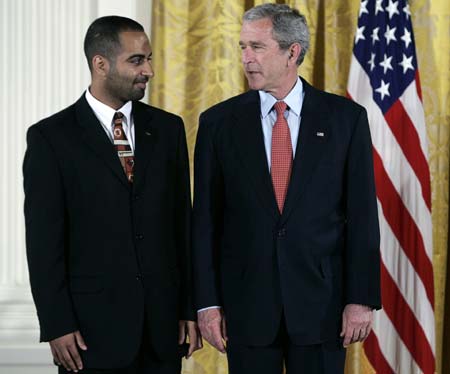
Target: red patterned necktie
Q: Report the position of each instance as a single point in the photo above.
(122, 146)
(281, 155)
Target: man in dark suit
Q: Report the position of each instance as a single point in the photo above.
(107, 209)
(285, 227)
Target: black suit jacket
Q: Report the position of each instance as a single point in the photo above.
(308, 263)
(102, 252)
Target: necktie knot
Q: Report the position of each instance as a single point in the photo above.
(118, 117)
(280, 107)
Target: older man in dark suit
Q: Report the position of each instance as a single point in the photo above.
(107, 208)
(285, 230)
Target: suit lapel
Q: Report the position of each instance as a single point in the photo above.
(145, 136)
(314, 135)
(249, 141)
(94, 136)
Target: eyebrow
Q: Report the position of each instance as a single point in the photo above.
(139, 55)
(252, 43)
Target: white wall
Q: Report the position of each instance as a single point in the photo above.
(42, 70)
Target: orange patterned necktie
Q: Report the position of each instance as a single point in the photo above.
(122, 147)
(281, 155)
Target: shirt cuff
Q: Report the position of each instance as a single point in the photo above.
(209, 307)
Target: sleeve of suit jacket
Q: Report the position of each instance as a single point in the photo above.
(208, 200)
(45, 220)
(362, 255)
(183, 233)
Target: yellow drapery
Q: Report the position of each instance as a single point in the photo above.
(197, 64)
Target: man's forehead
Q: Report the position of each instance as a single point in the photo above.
(133, 40)
(261, 28)
(129, 36)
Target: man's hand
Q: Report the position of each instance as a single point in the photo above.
(189, 329)
(212, 327)
(65, 351)
(356, 323)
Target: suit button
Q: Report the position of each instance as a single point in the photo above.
(136, 197)
(139, 277)
(139, 236)
(281, 232)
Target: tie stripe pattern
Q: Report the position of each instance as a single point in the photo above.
(281, 155)
(122, 146)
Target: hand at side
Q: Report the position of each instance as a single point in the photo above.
(189, 329)
(212, 327)
(356, 323)
(65, 351)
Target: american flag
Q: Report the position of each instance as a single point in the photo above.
(384, 78)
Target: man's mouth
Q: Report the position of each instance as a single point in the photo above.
(141, 84)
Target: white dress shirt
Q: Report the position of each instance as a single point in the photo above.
(105, 115)
(294, 101)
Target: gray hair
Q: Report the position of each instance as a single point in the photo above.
(289, 25)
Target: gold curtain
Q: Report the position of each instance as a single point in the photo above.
(197, 64)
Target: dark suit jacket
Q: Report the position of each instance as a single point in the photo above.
(308, 263)
(100, 249)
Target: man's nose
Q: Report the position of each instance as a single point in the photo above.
(148, 70)
(247, 55)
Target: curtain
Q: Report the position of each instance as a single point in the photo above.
(196, 58)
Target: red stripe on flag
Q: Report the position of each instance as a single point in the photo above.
(375, 356)
(405, 323)
(403, 226)
(408, 139)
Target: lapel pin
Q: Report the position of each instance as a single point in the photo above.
(321, 134)
(148, 133)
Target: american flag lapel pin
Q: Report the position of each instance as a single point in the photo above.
(320, 134)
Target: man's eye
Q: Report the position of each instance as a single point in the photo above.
(136, 61)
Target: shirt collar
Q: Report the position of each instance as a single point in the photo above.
(293, 99)
(105, 113)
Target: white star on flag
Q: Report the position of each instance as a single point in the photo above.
(392, 8)
(383, 90)
(363, 8)
(406, 37)
(389, 34)
(407, 11)
(359, 34)
(406, 63)
(371, 62)
(386, 63)
(374, 35)
(379, 7)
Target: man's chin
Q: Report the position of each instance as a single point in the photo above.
(137, 94)
(253, 85)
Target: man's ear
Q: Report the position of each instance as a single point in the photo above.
(294, 52)
(100, 65)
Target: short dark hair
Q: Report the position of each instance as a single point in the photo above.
(102, 36)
